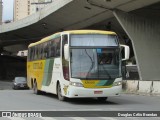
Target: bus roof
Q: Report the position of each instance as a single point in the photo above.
(72, 32)
(91, 32)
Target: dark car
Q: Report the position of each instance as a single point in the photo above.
(20, 83)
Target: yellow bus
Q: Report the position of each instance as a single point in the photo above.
(76, 64)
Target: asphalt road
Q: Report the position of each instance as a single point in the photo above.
(5, 85)
(26, 100)
(11, 100)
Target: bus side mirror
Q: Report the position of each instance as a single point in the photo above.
(126, 52)
(66, 52)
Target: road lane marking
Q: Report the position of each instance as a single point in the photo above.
(48, 118)
(77, 118)
(108, 118)
(16, 118)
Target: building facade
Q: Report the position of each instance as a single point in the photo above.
(24, 8)
(21, 9)
(1, 8)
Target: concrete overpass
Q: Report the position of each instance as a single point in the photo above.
(139, 19)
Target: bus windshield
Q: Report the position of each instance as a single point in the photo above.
(95, 62)
(100, 63)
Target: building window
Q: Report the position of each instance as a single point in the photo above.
(37, 9)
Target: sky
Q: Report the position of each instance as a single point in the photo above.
(7, 9)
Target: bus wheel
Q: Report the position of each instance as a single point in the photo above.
(35, 90)
(103, 99)
(59, 93)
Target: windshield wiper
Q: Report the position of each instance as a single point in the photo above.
(92, 65)
(106, 71)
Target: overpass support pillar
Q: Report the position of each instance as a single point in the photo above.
(145, 36)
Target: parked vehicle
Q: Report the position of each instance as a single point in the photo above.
(20, 83)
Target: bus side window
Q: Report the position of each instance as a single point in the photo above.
(55, 48)
(45, 50)
(52, 52)
(64, 41)
(36, 53)
(33, 53)
(40, 51)
(58, 41)
(48, 49)
(29, 54)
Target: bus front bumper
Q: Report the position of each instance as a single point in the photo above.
(80, 92)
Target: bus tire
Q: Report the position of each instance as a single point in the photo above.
(102, 99)
(35, 89)
(59, 93)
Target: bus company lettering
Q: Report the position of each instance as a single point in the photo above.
(89, 82)
(56, 65)
(37, 65)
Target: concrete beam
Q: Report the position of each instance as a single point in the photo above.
(15, 48)
(34, 18)
(145, 36)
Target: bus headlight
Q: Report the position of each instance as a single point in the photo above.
(77, 84)
(117, 83)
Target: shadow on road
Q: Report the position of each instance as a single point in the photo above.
(90, 101)
(81, 101)
(124, 99)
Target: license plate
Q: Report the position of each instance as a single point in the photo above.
(98, 92)
(22, 86)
